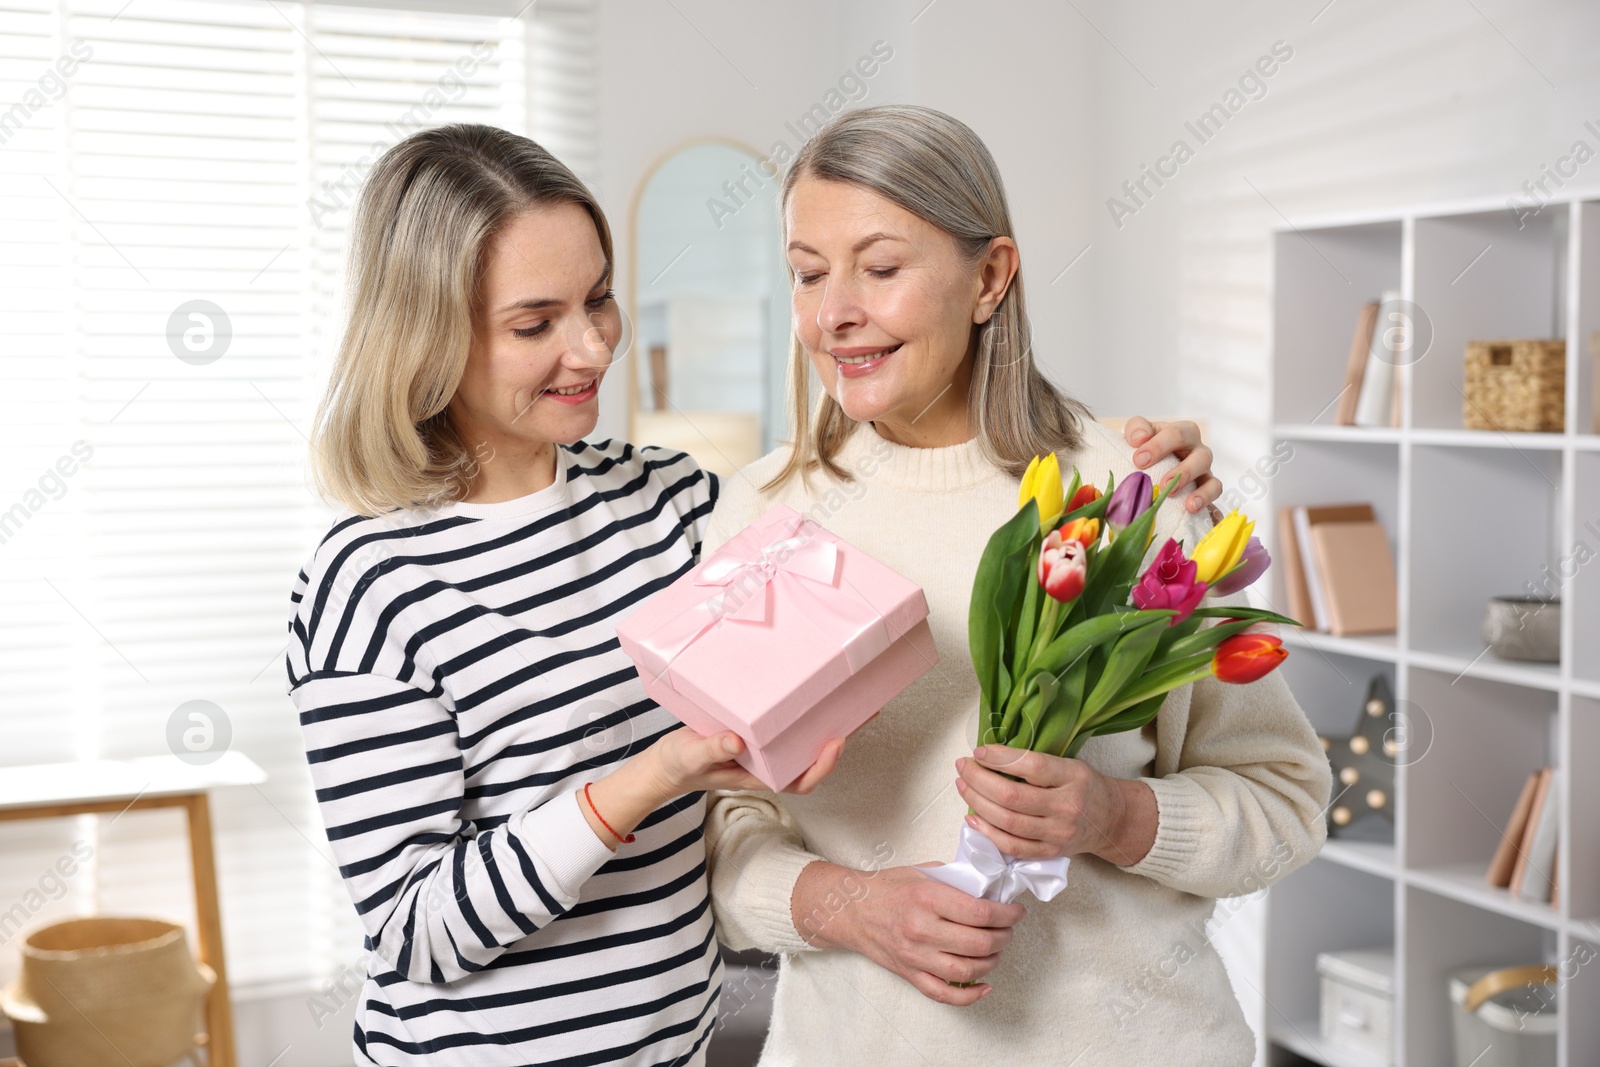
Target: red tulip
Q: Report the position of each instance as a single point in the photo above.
(1245, 657)
(1170, 582)
(1086, 494)
(1063, 567)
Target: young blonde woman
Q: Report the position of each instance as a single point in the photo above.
(908, 307)
(518, 825)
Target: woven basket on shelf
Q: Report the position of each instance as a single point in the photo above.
(1515, 385)
(121, 992)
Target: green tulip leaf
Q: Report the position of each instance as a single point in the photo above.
(1159, 682)
(1045, 689)
(1126, 660)
(1209, 638)
(1254, 614)
(1027, 620)
(1060, 720)
(1175, 634)
(1078, 640)
(1132, 718)
(993, 597)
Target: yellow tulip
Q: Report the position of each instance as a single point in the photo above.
(1042, 482)
(1029, 476)
(1220, 550)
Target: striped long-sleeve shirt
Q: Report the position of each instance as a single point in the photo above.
(458, 679)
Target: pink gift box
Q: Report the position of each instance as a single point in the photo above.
(787, 635)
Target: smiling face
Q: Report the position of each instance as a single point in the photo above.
(543, 333)
(884, 307)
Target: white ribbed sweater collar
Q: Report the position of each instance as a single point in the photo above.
(932, 470)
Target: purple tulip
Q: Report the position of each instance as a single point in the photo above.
(1129, 500)
(1252, 565)
(1170, 582)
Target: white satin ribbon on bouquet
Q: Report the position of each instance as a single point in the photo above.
(981, 870)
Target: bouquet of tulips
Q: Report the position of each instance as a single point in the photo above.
(1071, 639)
(1074, 636)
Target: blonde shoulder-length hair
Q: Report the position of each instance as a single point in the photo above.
(383, 438)
(935, 167)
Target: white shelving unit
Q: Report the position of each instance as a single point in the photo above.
(1470, 515)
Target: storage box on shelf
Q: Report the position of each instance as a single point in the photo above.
(1300, 926)
(1515, 385)
(1470, 514)
(1358, 1001)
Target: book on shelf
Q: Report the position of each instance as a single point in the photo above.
(1296, 592)
(1356, 365)
(1357, 577)
(1536, 881)
(1525, 860)
(1338, 570)
(1376, 406)
(1509, 851)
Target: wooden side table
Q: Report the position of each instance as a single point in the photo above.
(96, 787)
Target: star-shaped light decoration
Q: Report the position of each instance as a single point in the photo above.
(1363, 763)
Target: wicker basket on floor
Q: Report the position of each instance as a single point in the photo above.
(1515, 385)
(107, 991)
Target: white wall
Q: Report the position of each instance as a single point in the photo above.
(757, 68)
(670, 73)
(1382, 105)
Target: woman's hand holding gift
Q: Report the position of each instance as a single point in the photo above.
(937, 938)
(1061, 806)
(681, 762)
(685, 762)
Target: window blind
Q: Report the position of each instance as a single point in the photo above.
(176, 178)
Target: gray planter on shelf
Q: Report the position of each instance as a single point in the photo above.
(1524, 628)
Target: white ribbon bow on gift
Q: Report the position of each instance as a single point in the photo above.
(981, 870)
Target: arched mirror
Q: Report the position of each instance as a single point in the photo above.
(710, 307)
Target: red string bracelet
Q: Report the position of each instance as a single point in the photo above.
(624, 840)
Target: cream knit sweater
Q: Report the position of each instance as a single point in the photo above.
(1117, 969)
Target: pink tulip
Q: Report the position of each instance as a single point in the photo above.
(1170, 583)
(1063, 567)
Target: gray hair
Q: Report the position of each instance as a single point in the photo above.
(935, 167)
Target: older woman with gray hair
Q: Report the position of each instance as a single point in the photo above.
(908, 307)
